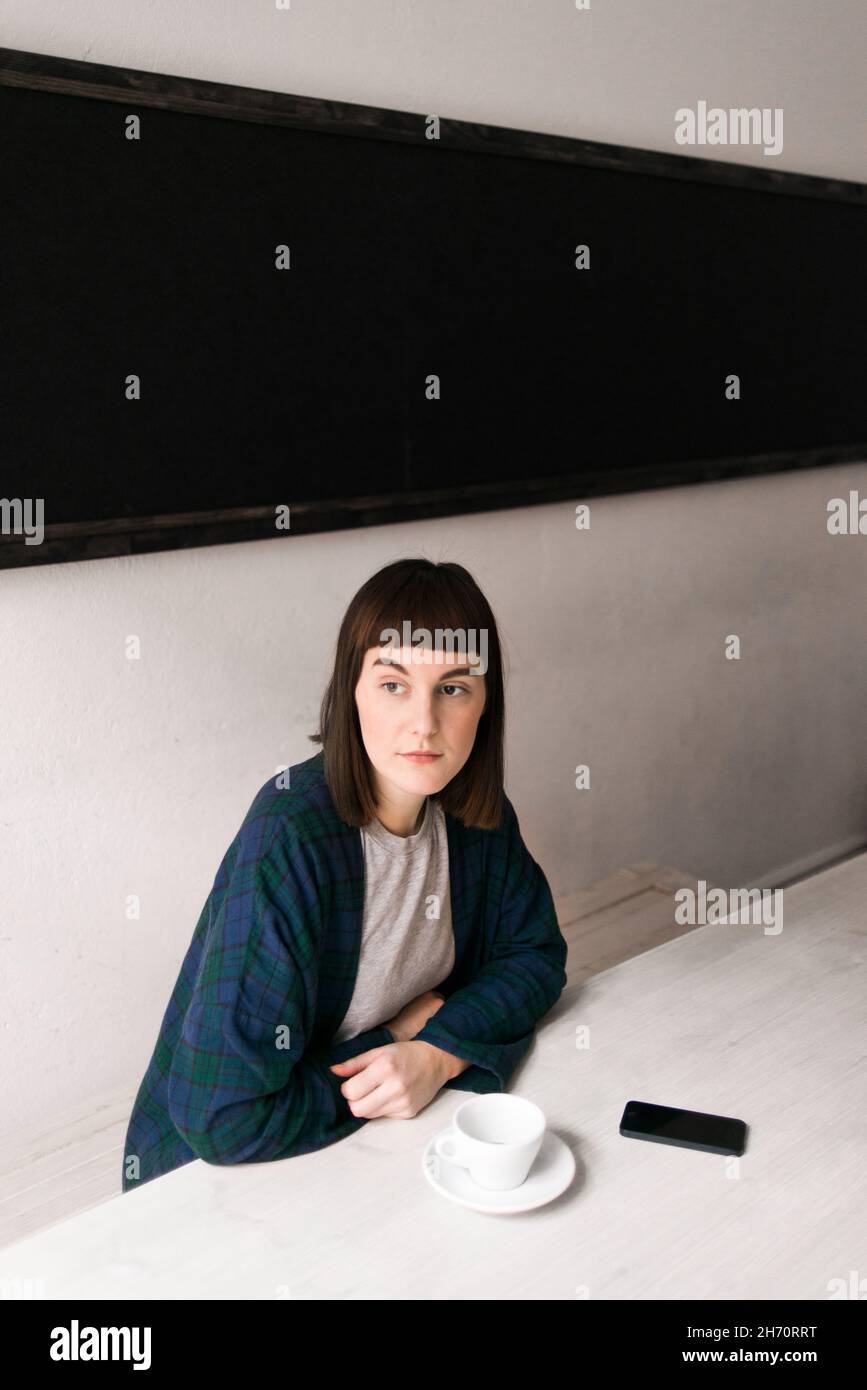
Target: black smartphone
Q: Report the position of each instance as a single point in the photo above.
(688, 1129)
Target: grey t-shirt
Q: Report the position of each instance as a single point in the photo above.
(407, 942)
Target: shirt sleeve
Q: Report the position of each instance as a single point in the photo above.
(243, 1087)
(490, 1022)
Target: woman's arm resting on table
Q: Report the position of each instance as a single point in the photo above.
(396, 1081)
(244, 1085)
(490, 1022)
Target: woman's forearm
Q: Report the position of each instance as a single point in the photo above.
(449, 1065)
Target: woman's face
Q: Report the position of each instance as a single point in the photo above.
(418, 699)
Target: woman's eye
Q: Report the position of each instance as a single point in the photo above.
(460, 688)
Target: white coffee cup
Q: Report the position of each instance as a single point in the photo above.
(496, 1136)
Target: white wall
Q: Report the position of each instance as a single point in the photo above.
(123, 777)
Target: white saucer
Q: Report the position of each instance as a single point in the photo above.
(552, 1171)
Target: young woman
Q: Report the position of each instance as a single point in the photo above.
(377, 929)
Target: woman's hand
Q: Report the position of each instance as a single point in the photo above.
(397, 1080)
(414, 1015)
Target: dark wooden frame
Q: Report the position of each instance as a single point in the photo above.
(139, 535)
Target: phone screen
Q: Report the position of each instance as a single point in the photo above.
(687, 1129)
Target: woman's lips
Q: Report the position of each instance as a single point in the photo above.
(421, 757)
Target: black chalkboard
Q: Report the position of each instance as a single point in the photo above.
(408, 258)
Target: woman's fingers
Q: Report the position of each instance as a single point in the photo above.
(365, 1080)
(375, 1103)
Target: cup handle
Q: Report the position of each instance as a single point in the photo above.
(440, 1143)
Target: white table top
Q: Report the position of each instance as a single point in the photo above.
(729, 1019)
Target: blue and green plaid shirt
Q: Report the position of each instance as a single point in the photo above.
(240, 1071)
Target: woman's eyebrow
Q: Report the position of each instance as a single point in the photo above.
(458, 671)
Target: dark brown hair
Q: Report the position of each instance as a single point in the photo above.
(431, 596)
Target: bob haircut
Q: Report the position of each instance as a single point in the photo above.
(430, 596)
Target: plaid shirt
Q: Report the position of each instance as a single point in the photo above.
(239, 1073)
